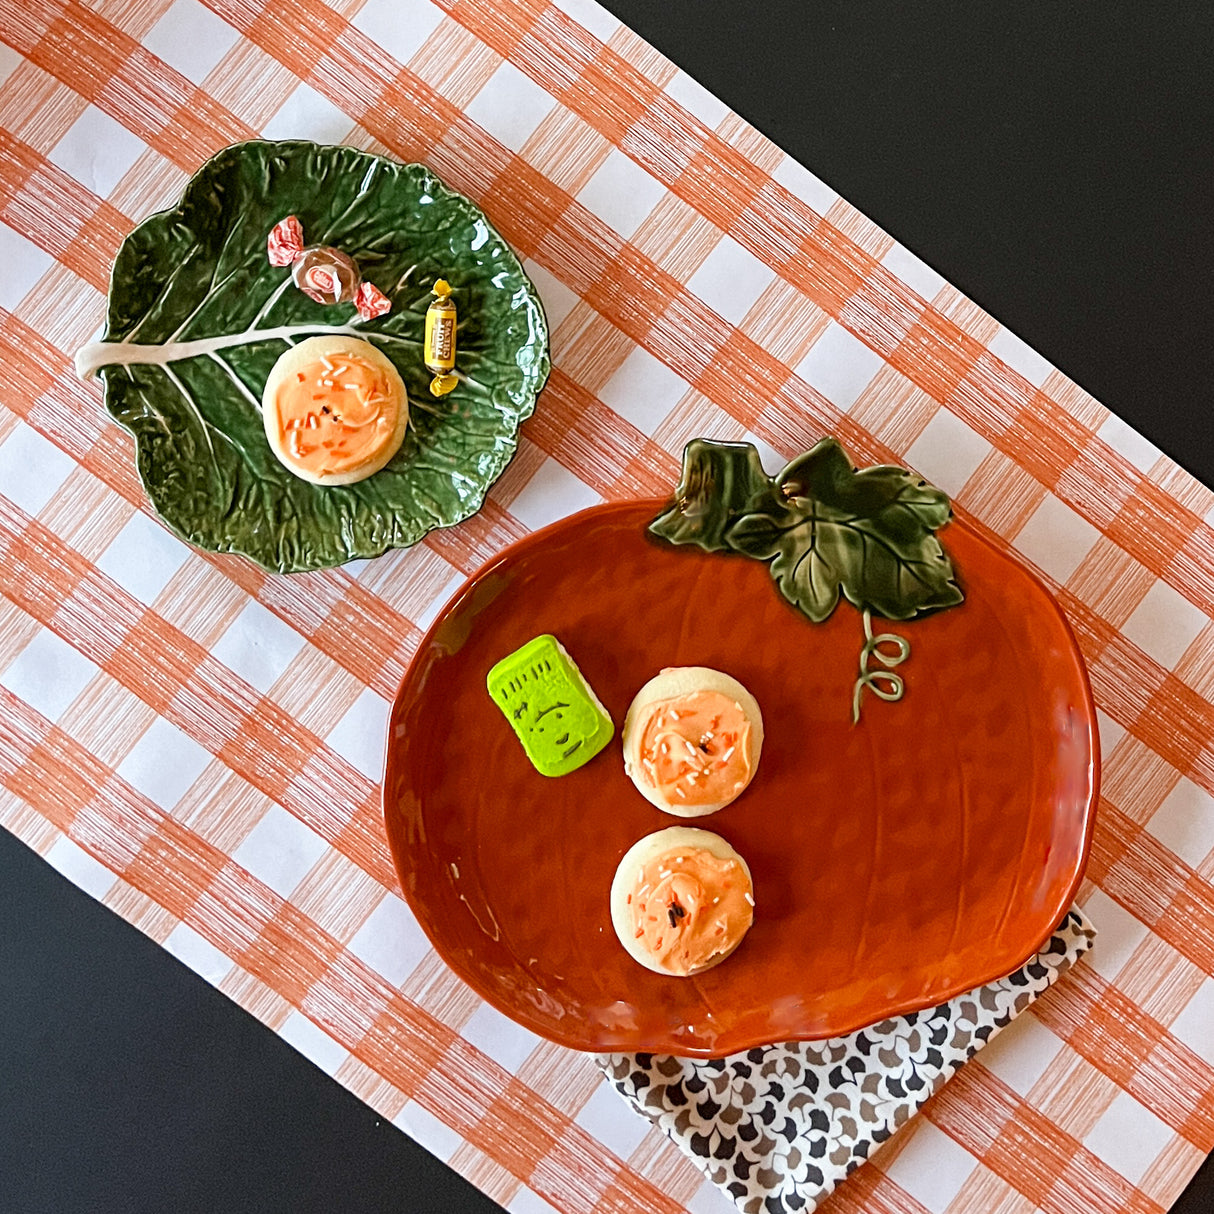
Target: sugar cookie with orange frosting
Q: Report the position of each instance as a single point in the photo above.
(692, 739)
(334, 409)
(681, 901)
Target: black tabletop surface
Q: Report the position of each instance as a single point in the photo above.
(1051, 159)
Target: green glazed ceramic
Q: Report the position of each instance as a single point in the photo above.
(198, 316)
(826, 527)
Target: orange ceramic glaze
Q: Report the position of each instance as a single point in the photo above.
(335, 415)
(689, 906)
(694, 748)
(923, 852)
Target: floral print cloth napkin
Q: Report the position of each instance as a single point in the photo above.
(778, 1127)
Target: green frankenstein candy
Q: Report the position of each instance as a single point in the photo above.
(558, 719)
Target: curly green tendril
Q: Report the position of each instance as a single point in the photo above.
(884, 684)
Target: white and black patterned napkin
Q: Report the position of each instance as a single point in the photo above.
(778, 1127)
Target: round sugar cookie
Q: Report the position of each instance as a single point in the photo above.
(692, 739)
(334, 409)
(681, 901)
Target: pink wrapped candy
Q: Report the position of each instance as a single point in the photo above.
(324, 274)
(371, 301)
(285, 242)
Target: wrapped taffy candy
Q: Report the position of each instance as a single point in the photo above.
(440, 340)
(322, 273)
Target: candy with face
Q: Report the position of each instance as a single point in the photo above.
(550, 706)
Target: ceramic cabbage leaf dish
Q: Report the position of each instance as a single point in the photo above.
(198, 316)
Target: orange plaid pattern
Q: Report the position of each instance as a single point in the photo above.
(751, 302)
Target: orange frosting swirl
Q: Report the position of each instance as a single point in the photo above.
(335, 414)
(689, 906)
(695, 749)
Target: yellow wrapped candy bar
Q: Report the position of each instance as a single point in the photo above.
(440, 340)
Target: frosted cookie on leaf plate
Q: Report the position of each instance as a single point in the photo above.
(334, 409)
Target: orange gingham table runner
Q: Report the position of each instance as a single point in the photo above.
(197, 743)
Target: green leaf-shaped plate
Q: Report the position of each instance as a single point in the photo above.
(200, 272)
